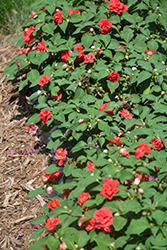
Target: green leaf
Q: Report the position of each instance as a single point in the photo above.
(49, 28)
(121, 241)
(38, 244)
(128, 17)
(132, 206)
(33, 119)
(119, 222)
(103, 73)
(39, 220)
(87, 40)
(22, 84)
(63, 26)
(144, 75)
(75, 18)
(140, 46)
(151, 18)
(80, 145)
(52, 168)
(52, 242)
(158, 216)
(37, 233)
(127, 34)
(34, 193)
(81, 238)
(137, 226)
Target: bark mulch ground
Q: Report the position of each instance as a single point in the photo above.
(19, 173)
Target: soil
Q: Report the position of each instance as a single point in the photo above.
(19, 172)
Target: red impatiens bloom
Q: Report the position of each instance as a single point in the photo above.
(150, 52)
(121, 46)
(51, 223)
(44, 116)
(102, 108)
(53, 204)
(51, 177)
(103, 219)
(125, 113)
(60, 155)
(117, 6)
(26, 50)
(140, 177)
(41, 46)
(58, 17)
(90, 224)
(113, 77)
(79, 47)
(31, 129)
(71, 11)
(82, 199)
(157, 143)
(89, 58)
(125, 152)
(142, 149)
(18, 64)
(115, 140)
(90, 166)
(63, 246)
(43, 80)
(33, 14)
(58, 96)
(81, 120)
(105, 25)
(65, 55)
(67, 192)
(28, 36)
(109, 188)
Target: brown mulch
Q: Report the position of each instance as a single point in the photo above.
(19, 173)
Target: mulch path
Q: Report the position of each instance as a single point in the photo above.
(19, 172)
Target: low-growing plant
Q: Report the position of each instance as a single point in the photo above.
(100, 68)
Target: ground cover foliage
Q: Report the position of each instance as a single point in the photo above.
(99, 72)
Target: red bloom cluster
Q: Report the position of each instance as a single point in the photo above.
(41, 46)
(58, 96)
(125, 113)
(90, 166)
(113, 77)
(71, 11)
(150, 52)
(26, 50)
(79, 47)
(102, 108)
(109, 188)
(103, 219)
(157, 143)
(142, 149)
(105, 25)
(60, 155)
(58, 17)
(53, 204)
(51, 223)
(43, 80)
(117, 6)
(82, 199)
(89, 58)
(51, 177)
(44, 116)
(31, 129)
(28, 36)
(67, 192)
(115, 140)
(65, 55)
(125, 152)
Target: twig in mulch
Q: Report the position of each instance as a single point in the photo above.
(23, 219)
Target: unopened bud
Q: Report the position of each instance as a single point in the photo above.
(81, 120)
(39, 92)
(93, 47)
(141, 191)
(98, 50)
(89, 71)
(49, 190)
(105, 151)
(91, 30)
(134, 68)
(162, 92)
(112, 244)
(65, 65)
(109, 160)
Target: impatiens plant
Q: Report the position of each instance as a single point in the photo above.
(100, 77)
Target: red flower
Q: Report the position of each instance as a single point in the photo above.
(103, 219)
(58, 96)
(26, 50)
(49, 190)
(60, 155)
(115, 140)
(43, 80)
(116, 6)
(102, 108)
(31, 129)
(46, 247)
(79, 47)
(105, 25)
(150, 52)
(32, 14)
(65, 55)
(28, 36)
(63, 246)
(125, 113)
(121, 46)
(82, 199)
(90, 166)
(142, 149)
(41, 46)
(67, 192)
(18, 64)
(109, 188)
(71, 11)
(44, 116)
(51, 223)
(125, 8)
(58, 17)
(113, 77)
(125, 152)
(53, 204)
(157, 143)
(51, 177)
(140, 177)
(89, 58)
(81, 120)
(90, 224)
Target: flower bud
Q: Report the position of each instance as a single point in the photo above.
(89, 71)
(134, 68)
(162, 92)
(49, 190)
(65, 65)
(91, 30)
(93, 47)
(81, 120)
(109, 160)
(141, 191)
(98, 50)
(105, 151)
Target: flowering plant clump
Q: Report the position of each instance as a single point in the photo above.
(99, 68)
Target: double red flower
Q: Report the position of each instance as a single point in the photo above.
(109, 188)
(44, 116)
(142, 149)
(105, 25)
(60, 155)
